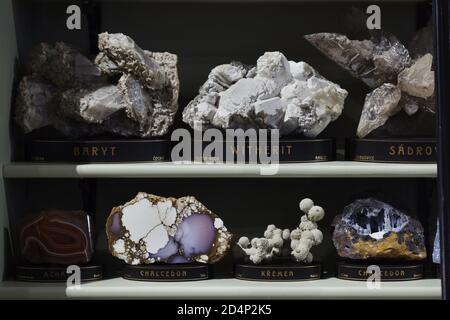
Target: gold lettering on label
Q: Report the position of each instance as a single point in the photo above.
(410, 151)
(85, 151)
(276, 273)
(392, 151)
(419, 150)
(76, 151)
(54, 275)
(167, 274)
(289, 148)
(94, 151)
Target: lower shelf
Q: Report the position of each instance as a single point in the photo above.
(119, 288)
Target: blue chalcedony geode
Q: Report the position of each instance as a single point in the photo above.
(371, 229)
(152, 229)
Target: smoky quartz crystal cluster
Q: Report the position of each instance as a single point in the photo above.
(400, 78)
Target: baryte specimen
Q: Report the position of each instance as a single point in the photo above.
(57, 237)
(35, 96)
(275, 242)
(380, 104)
(64, 66)
(374, 61)
(98, 105)
(371, 229)
(418, 80)
(129, 58)
(277, 94)
(142, 104)
(151, 229)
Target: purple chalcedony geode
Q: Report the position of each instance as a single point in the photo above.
(151, 229)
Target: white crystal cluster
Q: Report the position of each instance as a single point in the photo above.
(276, 94)
(276, 241)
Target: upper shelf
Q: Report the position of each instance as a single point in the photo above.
(334, 169)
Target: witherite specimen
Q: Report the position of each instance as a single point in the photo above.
(371, 229)
(127, 91)
(275, 242)
(57, 237)
(276, 94)
(151, 229)
(385, 65)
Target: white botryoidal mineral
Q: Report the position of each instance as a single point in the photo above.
(276, 241)
(307, 235)
(264, 249)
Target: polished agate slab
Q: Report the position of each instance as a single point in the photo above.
(57, 237)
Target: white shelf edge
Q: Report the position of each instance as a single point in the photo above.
(119, 288)
(332, 169)
(331, 288)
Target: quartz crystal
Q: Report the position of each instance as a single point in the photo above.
(374, 61)
(277, 94)
(57, 237)
(384, 64)
(418, 80)
(372, 229)
(79, 98)
(151, 229)
(380, 104)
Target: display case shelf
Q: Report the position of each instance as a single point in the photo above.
(336, 169)
(331, 288)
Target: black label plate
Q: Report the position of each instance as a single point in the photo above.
(98, 151)
(392, 150)
(278, 272)
(398, 272)
(166, 273)
(56, 274)
(288, 150)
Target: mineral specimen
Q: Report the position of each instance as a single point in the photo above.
(76, 97)
(57, 237)
(437, 246)
(418, 80)
(277, 94)
(371, 229)
(34, 103)
(307, 234)
(383, 63)
(129, 58)
(380, 104)
(64, 66)
(374, 61)
(151, 229)
(275, 242)
(265, 249)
